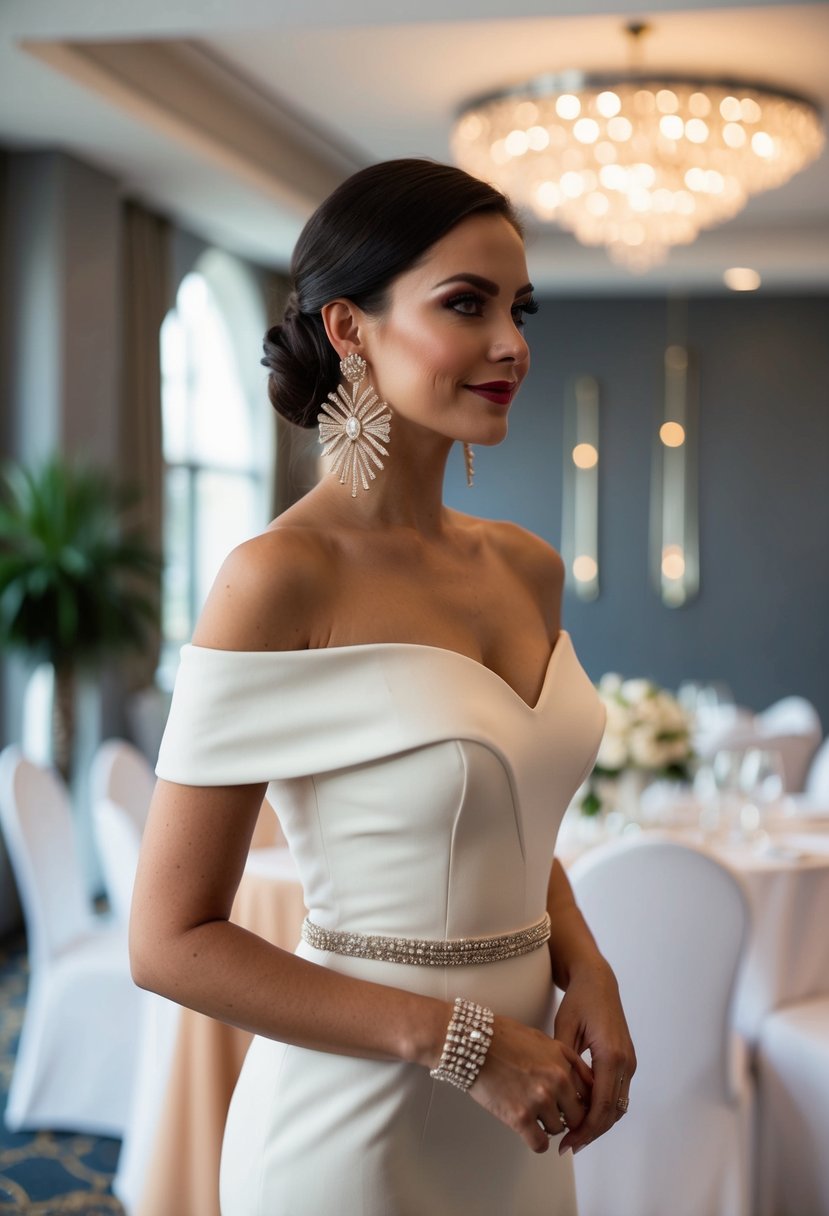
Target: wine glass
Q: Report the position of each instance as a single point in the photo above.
(717, 786)
(763, 785)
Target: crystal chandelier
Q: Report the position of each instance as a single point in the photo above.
(637, 162)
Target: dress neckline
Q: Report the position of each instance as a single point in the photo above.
(562, 637)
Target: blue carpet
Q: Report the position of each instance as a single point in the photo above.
(45, 1173)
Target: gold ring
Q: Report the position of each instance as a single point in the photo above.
(622, 1104)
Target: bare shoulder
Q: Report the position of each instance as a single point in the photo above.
(536, 563)
(266, 592)
(527, 553)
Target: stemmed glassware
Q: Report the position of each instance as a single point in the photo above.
(738, 790)
(763, 785)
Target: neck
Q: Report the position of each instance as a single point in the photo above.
(407, 492)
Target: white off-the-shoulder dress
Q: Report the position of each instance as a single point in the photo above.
(420, 797)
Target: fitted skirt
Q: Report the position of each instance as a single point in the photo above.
(312, 1133)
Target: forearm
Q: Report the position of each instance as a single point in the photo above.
(231, 974)
(571, 944)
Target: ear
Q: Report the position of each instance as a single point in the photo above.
(342, 321)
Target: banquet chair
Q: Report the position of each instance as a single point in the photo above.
(672, 922)
(118, 843)
(792, 1062)
(817, 778)
(792, 727)
(122, 773)
(74, 1065)
(730, 726)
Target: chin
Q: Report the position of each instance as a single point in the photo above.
(489, 437)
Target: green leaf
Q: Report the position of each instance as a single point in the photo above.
(70, 568)
(591, 803)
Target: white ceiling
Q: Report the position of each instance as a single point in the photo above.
(348, 85)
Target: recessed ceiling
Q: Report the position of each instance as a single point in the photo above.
(365, 85)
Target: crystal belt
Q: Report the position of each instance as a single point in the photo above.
(428, 952)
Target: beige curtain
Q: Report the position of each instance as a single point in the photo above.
(145, 296)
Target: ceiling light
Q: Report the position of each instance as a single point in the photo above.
(636, 162)
(741, 278)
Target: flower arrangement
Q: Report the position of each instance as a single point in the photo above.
(647, 732)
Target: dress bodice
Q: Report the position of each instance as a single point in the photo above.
(419, 793)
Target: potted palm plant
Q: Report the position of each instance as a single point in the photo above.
(77, 584)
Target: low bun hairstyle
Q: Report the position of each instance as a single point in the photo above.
(379, 223)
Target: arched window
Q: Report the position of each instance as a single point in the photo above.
(218, 437)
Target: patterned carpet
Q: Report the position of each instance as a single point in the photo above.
(45, 1173)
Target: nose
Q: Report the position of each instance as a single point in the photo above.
(510, 345)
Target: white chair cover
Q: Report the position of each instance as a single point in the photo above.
(118, 842)
(792, 727)
(74, 1065)
(672, 922)
(36, 726)
(793, 1106)
(790, 716)
(717, 725)
(817, 778)
(120, 772)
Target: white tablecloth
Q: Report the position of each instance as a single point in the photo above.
(786, 880)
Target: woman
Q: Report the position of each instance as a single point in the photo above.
(393, 673)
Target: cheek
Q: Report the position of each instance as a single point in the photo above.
(436, 354)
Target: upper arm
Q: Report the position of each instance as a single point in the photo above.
(196, 839)
(193, 853)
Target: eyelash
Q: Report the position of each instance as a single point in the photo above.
(520, 311)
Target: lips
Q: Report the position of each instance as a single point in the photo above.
(500, 392)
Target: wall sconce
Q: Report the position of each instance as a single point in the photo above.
(674, 521)
(580, 481)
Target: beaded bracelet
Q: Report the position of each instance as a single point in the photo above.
(468, 1037)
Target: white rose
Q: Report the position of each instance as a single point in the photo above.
(618, 717)
(676, 750)
(644, 749)
(610, 682)
(672, 715)
(635, 691)
(613, 752)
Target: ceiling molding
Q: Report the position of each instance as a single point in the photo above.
(199, 103)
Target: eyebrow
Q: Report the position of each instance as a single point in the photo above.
(486, 285)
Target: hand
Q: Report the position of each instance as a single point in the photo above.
(590, 1017)
(529, 1081)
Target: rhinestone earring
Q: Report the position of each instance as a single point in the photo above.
(354, 428)
(469, 460)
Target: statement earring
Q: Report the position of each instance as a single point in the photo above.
(469, 461)
(353, 429)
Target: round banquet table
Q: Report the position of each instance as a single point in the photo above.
(787, 960)
(182, 1174)
(786, 881)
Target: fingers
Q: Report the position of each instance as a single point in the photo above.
(559, 1105)
(622, 1098)
(536, 1085)
(609, 1087)
(565, 1106)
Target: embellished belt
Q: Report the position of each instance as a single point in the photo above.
(428, 952)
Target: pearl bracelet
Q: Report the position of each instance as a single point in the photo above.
(468, 1037)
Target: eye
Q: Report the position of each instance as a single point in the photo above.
(527, 308)
(468, 304)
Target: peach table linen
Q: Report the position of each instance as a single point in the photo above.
(183, 1176)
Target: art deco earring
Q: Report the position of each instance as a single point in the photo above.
(469, 460)
(354, 428)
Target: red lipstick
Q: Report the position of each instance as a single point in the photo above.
(500, 392)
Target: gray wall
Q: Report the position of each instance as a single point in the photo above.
(760, 620)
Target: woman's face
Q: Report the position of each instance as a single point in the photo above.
(449, 353)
